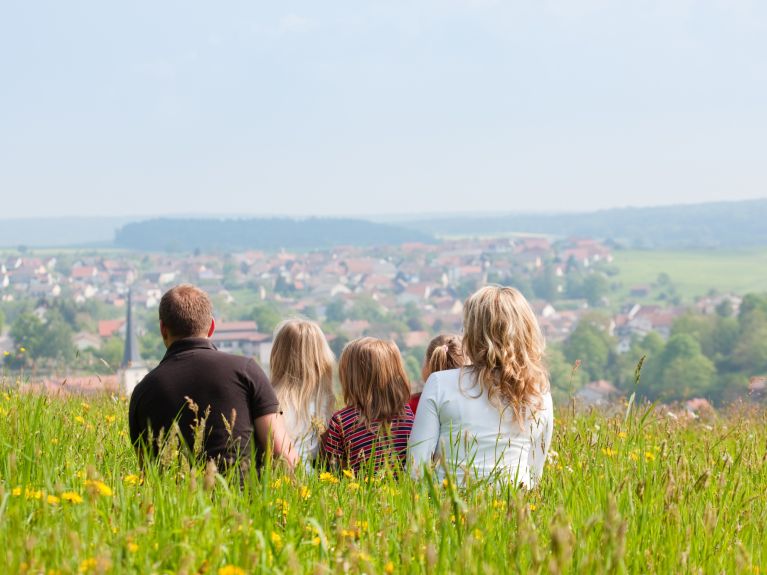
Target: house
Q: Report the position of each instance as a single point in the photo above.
(240, 337)
(597, 393)
(85, 340)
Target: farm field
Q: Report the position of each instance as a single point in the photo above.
(651, 494)
(696, 272)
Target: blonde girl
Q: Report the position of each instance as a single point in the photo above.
(301, 366)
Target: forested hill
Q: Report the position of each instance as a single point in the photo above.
(723, 224)
(260, 233)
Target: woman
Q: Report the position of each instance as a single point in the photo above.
(301, 366)
(493, 418)
(374, 427)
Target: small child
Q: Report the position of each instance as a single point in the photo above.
(302, 376)
(375, 425)
(444, 352)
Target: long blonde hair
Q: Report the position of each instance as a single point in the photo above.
(504, 345)
(373, 379)
(444, 352)
(301, 365)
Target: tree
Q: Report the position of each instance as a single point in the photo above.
(595, 288)
(266, 315)
(335, 311)
(593, 347)
(564, 378)
(545, 284)
(2, 321)
(683, 371)
(111, 352)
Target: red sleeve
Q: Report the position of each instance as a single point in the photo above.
(332, 441)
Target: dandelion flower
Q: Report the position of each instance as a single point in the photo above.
(231, 570)
(71, 497)
(16, 491)
(53, 500)
(623, 434)
(80, 419)
(132, 547)
(305, 492)
(99, 487)
(276, 539)
(349, 473)
(87, 565)
(649, 456)
(132, 479)
(327, 477)
(389, 568)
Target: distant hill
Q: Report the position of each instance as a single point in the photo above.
(60, 232)
(723, 224)
(166, 234)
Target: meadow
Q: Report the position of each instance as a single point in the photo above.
(695, 272)
(647, 493)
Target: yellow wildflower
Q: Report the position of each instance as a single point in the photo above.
(32, 494)
(53, 500)
(326, 477)
(316, 541)
(87, 565)
(71, 497)
(532, 507)
(80, 419)
(132, 547)
(110, 419)
(649, 456)
(354, 486)
(305, 492)
(16, 491)
(85, 406)
(349, 473)
(633, 455)
(132, 479)
(99, 487)
(477, 534)
(608, 452)
(23, 349)
(623, 434)
(276, 539)
(230, 570)
(389, 568)
(55, 441)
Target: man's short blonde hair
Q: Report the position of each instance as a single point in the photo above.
(186, 311)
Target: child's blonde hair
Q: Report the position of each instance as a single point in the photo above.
(444, 352)
(301, 365)
(373, 379)
(504, 345)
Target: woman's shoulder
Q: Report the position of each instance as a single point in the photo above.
(345, 415)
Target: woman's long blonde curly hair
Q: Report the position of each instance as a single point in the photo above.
(504, 345)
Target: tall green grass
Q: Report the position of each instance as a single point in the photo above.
(623, 495)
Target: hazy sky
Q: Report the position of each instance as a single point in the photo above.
(155, 107)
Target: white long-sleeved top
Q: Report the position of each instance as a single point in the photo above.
(456, 423)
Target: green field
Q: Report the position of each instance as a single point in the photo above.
(695, 273)
(653, 495)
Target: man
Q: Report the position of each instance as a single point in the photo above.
(194, 377)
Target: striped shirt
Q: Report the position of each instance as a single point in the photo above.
(351, 441)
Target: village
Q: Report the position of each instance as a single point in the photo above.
(406, 293)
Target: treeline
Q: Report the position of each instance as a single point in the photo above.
(724, 224)
(711, 356)
(188, 235)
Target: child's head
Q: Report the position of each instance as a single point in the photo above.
(373, 378)
(301, 367)
(444, 352)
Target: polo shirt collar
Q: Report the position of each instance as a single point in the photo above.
(188, 343)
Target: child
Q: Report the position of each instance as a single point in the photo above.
(444, 352)
(301, 366)
(376, 422)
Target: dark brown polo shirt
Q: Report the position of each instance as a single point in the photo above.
(226, 383)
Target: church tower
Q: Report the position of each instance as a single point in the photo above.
(132, 368)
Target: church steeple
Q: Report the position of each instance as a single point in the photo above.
(132, 355)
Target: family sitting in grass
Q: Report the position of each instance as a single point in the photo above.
(485, 411)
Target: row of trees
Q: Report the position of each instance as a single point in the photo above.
(706, 355)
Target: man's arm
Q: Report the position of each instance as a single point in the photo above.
(270, 428)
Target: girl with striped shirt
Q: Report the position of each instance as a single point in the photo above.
(374, 427)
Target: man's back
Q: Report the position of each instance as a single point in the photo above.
(234, 388)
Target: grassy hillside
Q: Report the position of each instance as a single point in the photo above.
(653, 495)
(696, 272)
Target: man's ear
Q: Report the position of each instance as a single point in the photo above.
(163, 331)
(212, 327)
